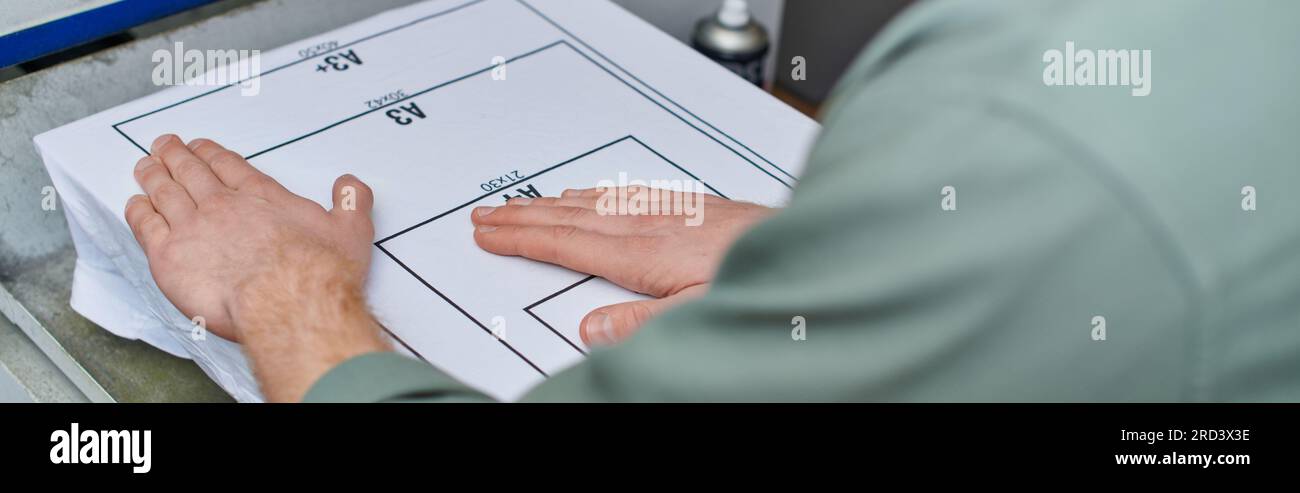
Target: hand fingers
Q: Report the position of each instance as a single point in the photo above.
(623, 194)
(541, 215)
(186, 168)
(567, 246)
(352, 199)
(585, 203)
(614, 323)
(167, 196)
(147, 224)
(640, 201)
(231, 168)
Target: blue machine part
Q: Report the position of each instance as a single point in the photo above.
(83, 26)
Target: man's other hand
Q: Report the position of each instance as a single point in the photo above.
(596, 231)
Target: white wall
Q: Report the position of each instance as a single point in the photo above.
(678, 18)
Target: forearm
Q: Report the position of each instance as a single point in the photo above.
(301, 319)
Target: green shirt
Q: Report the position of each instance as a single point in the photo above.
(1072, 203)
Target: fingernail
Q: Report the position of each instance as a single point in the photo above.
(483, 211)
(144, 162)
(521, 201)
(600, 329)
(568, 192)
(486, 229)
(158, 142)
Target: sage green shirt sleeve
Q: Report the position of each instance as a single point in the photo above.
(388, 377)
(1075, 212)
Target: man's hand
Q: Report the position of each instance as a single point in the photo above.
(262, 266)
(660, 255)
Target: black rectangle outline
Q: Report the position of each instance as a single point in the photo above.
(290, 64)
(456, 9)
(380, 244)
(529, 310)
